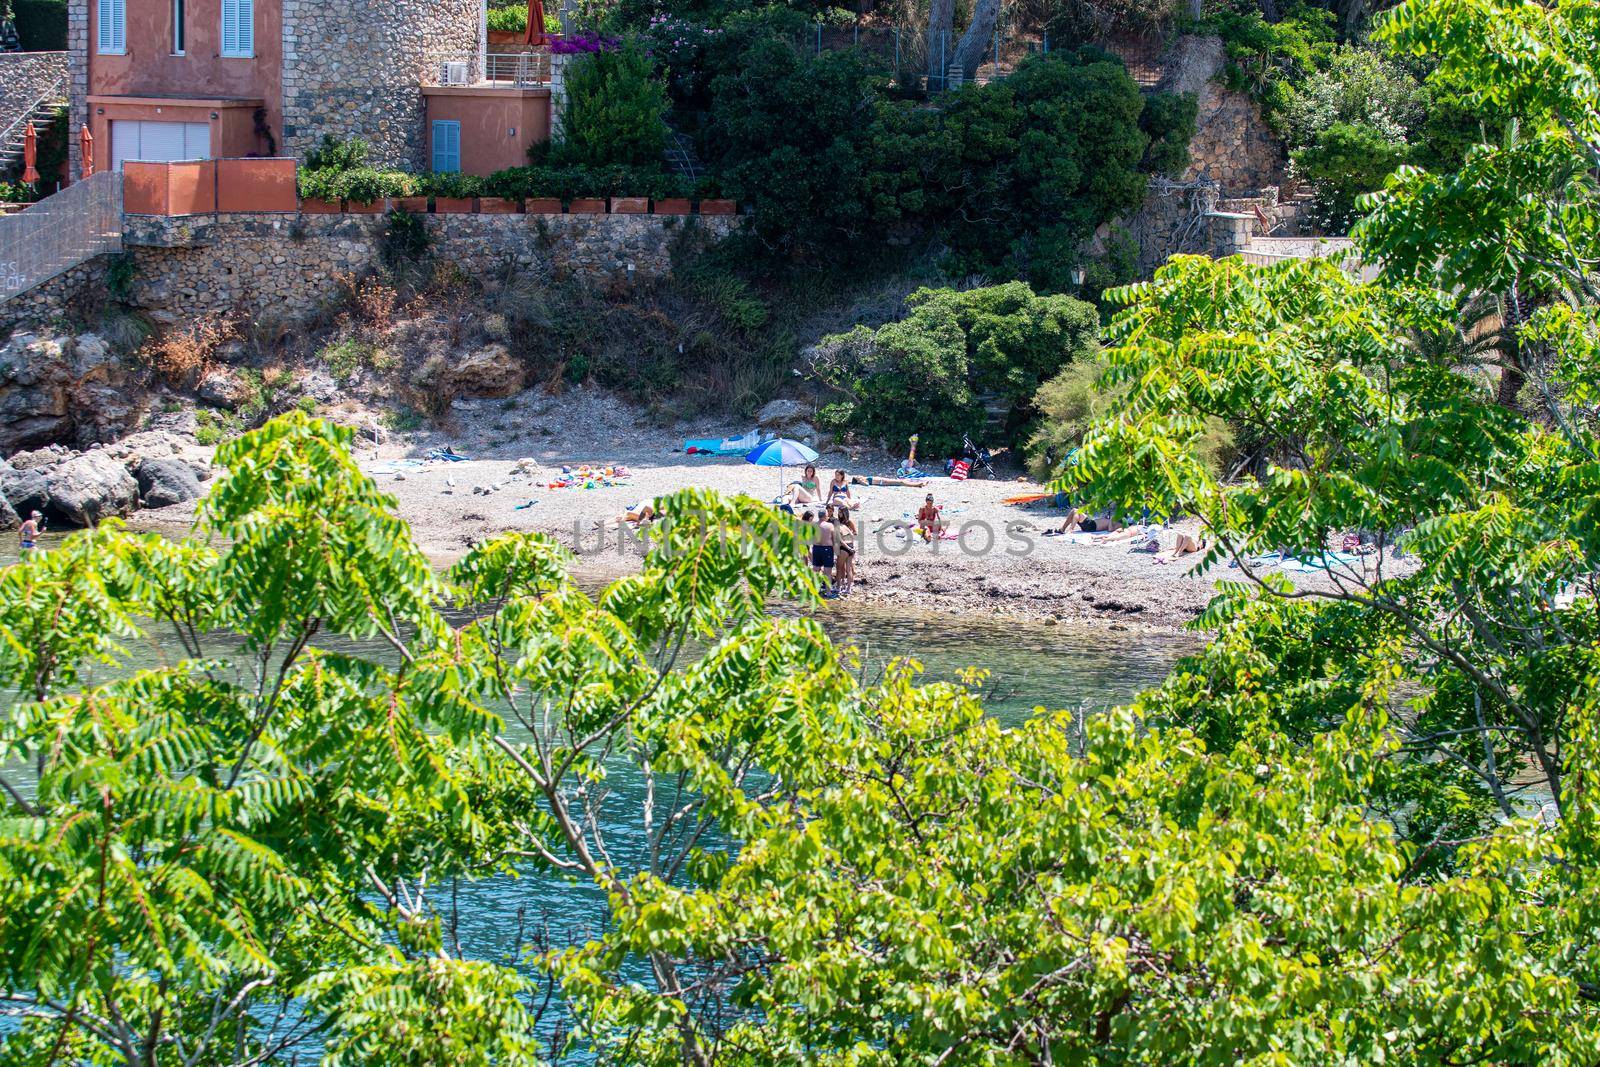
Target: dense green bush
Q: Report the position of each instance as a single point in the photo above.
(1342, 162)
(336, 155)
(935, 372)
(364, 185)
(1358, 86)
(616, 111)
(1041, 159)
(1265, 58)
(789, 134)
(449, 184)
(1168, 120)
(1016, 174)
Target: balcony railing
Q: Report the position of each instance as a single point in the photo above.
(500, 70)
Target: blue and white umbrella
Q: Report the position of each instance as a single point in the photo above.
(780, 452)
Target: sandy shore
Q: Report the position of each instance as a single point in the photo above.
(1002, 565)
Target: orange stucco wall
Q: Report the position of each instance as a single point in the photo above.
(488, 117)
(201, 78)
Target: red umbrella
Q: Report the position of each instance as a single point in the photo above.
(535, 32)
(30, 154)
(86, 146)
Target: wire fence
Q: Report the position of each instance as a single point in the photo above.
(917, 60)
(59, 232)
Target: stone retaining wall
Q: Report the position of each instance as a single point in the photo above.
(24, 78)
(290, 265)
(1232, 146)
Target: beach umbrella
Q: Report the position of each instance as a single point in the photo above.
(30, 154)
(780, 452)
(86, 146)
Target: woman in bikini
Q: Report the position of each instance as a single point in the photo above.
(844, 541)
(839, 491)
(930, 523)
(805, 491)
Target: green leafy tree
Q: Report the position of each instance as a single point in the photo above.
(220, 858)
(1358, 87)
(957, 354)
(1043, 157)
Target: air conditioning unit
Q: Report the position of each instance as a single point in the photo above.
(453, 73)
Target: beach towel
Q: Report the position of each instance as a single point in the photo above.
(446, 455)
(959, 470)
(1025, 498)
(722, 446)
(1342, 560)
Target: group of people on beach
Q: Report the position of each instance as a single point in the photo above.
(829, 511)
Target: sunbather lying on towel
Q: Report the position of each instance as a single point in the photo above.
(1102, 521)
(879, 479)
(640, 514)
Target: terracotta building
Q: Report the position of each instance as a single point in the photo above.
(195, 79)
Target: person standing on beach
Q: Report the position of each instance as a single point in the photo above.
(844, 544)
(821, 546)
(28, 535)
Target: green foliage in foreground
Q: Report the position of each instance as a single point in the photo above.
(253, 844)
(934, 372)
(1379, 421)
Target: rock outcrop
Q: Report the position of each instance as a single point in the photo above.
(490, 371)
(73, 391)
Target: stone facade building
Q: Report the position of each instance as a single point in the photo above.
(186, 79)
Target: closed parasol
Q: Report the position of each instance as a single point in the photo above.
(86, 146)
(30, 154)
(535, 33)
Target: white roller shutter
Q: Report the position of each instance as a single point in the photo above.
(159, 141)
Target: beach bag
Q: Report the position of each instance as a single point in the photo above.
(1150, 545)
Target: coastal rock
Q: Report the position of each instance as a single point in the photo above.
(220, 387)
(8, 515)
(491, 371)
(89, 487)
(147, 444)
(39, 458)
(780, 414)
(26, 489)
(166, 480)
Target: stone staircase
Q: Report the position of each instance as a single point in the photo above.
(43, 116)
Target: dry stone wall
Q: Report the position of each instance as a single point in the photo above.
(291, 265)
(354, 68)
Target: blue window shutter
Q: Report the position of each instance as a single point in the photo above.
(112, 27)
(238, 27)
(446, 146)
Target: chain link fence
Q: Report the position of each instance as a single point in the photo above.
(59, 232)
(917, 61)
